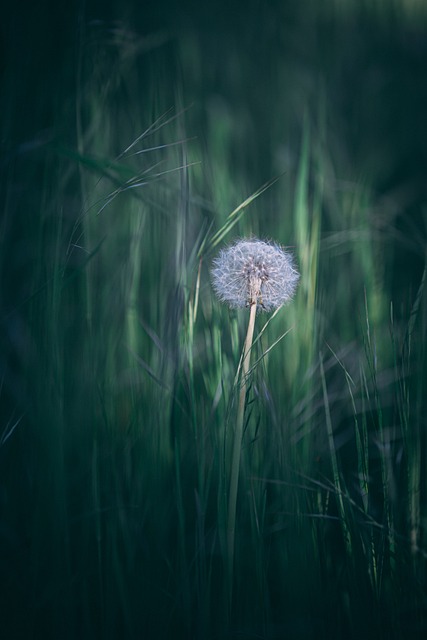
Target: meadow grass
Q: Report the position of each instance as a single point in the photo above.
(120, 390)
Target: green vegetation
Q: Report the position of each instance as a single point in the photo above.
(118, 370)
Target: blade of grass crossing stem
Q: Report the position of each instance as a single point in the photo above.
(234, 217)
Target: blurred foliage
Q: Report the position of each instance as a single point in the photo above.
(132, 138)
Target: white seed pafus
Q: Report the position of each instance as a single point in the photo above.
(254, 271)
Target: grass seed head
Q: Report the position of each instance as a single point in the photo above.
(254, 271)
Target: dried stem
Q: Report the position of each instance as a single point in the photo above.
(237, 447)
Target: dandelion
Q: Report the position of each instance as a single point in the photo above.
(259, 275)
(253, 271)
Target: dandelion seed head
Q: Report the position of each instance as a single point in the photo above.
(254, 271)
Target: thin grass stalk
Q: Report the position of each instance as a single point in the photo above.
(334, 460)
(412, 437)
(384, 438)
(361, 436)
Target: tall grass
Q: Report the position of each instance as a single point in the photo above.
(119, 390)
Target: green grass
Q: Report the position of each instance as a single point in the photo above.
(118, 372)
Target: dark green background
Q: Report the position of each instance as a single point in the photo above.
(255, 77)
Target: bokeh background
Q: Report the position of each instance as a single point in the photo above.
(131, 133)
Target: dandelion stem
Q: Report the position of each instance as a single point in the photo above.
(260, 275)
(237, 447)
